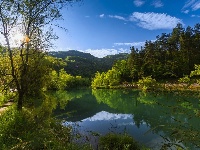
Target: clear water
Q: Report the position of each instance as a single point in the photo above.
(153, 119)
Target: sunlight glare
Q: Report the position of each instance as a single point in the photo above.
(18, 37)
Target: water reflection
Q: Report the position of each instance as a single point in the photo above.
(151, 118)
(104, 122)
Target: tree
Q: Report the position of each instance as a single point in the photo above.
(33, 19)
(133, 63)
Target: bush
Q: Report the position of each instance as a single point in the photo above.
(118, 142)
(184, 79)
(147, 83)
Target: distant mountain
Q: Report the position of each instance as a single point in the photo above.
(85, 64)
(64, 54)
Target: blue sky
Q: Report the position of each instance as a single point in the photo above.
(104, 27)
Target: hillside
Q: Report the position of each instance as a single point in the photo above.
(64, 54)
(85, 64)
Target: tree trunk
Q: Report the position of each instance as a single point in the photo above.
(20, 100)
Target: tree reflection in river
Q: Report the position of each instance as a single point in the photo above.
(175, 115)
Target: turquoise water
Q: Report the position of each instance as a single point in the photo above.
(154, 119)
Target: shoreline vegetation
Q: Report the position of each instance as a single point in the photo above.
(160, 87)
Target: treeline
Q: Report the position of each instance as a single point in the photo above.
(170, 56)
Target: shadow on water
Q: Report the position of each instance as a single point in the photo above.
(154, 119)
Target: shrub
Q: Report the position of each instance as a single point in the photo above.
(184, 79)
(118, 142)
(147, 83)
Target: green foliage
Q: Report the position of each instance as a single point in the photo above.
(118, 142)
(84, 64)
(147, 83)
(34, 129)
(184, 79)
(98, 80)
(196, 72)
(104, 80)
(169, 56)
(112, 77)
(33, 19)
(61, 80)
(2, 100)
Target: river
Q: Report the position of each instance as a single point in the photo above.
(166, 119)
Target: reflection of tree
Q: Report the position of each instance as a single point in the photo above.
(76, 105)
(63, 97)
(176, 114)
(122, 100)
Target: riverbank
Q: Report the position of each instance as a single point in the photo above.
(158, 87)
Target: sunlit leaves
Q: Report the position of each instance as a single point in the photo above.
(61, 80)
(112, 77)
(147, 83)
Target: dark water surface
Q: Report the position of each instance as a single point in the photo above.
(154, 119)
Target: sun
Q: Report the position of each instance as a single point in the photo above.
(18, 37)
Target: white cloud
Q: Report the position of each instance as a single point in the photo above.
(188, 3)
(153, 21)
(186, 11)
(117, 17)
(193, 4)
(100, 53)
(196, 6)
(136, 44)
(138, 3)
(157, 4)
(101, 16)
(124, 50)
(198, 16)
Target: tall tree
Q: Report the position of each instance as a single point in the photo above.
(133, 63)
(187, 45)
(33, 19)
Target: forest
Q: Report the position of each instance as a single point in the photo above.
(170, 57)
(85, 64)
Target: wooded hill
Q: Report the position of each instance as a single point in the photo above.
(85, 64)
(169, 57)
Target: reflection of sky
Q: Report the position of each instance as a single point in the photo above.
(103, 115)
(104, 122)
